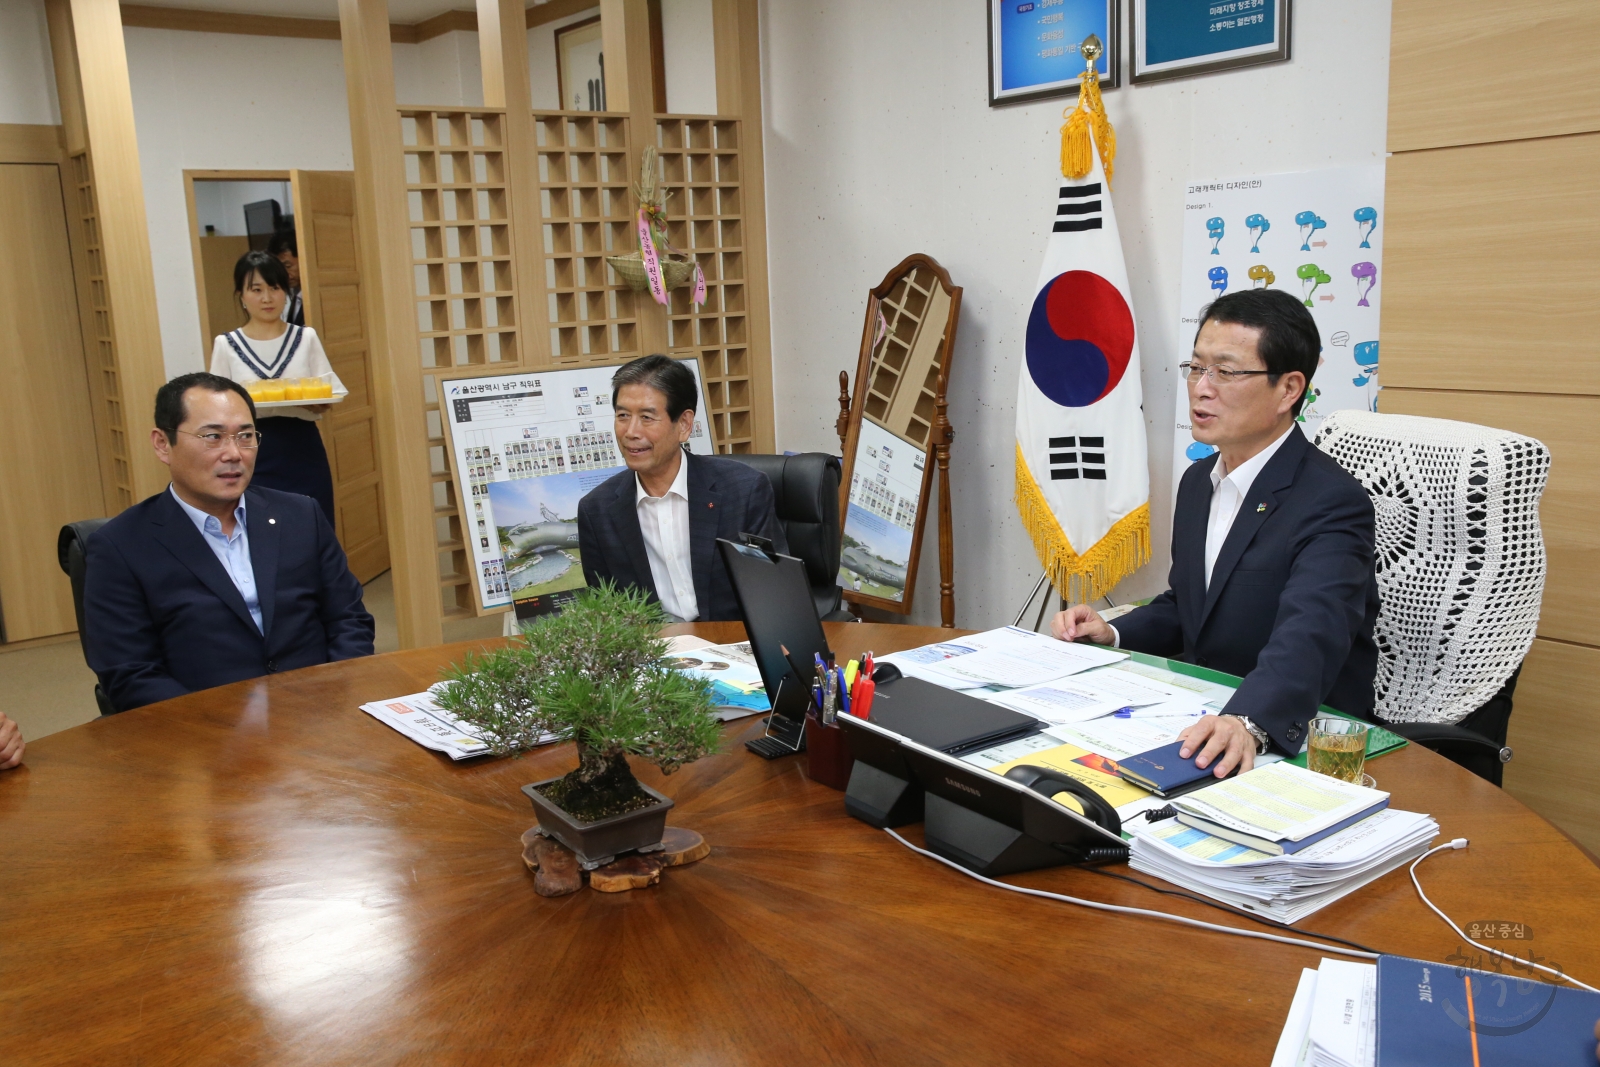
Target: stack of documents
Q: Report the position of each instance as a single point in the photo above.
(1285, 887)
(1278, 809)
(1333, 1021)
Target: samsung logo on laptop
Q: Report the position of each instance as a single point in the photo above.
(963, 787)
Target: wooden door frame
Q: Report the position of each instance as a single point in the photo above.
(207, 334)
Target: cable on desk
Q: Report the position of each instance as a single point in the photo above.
(1461, 842)
(1122, 910)
(1230, 909)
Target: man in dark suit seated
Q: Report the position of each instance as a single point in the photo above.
(655, 525)
(1272, 545)
(211, 581)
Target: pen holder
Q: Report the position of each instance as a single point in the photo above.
(830, 757)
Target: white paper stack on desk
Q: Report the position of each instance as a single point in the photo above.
(1333, 1021)
(1288, 887)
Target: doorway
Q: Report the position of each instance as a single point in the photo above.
(234, 212)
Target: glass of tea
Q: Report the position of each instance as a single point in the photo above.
(1338, 748)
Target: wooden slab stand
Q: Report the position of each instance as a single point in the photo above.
(556, 871)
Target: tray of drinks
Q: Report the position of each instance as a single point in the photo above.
(291, 392)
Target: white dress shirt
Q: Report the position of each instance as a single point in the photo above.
(232, 552)
(664, 521)
(1228, 490)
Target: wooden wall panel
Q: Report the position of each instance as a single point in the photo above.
(1490, 278)
(1555, 738)
(1473, 71)
(1569, 512)
(50, 476)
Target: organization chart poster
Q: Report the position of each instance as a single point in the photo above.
(1317, 235)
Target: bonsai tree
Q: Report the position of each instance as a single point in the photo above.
(592, 674)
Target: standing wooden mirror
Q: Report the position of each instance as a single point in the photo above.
(888, 428)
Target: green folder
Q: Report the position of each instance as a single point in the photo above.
(1379, 740)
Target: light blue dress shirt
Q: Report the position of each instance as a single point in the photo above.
(232, 552)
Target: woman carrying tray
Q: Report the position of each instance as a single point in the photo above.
(269, 356)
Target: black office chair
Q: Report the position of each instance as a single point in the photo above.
(71, 545)
(806, 488)
(1477, 742)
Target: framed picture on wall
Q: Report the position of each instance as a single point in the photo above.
(1033, 47)
(580, 66)
(1180, 38)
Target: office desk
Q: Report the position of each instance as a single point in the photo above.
(264, 874)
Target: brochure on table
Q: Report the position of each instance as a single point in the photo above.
(524, 449)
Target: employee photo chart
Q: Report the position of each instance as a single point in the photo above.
(525, 449)
(1317, 235)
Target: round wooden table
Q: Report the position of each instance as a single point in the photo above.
(264, 874)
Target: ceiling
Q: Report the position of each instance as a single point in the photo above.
(404, 12)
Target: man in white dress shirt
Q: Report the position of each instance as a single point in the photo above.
(1272, 545)
(655, 525)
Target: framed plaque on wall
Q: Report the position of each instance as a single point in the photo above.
(1033, 47)
(1180, 38)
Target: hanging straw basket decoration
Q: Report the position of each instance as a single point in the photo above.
(677, 268)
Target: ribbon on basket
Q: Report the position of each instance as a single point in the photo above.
(652, 264)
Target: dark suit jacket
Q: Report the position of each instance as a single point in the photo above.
(162, 617)
(726, 498)
(1293, 595)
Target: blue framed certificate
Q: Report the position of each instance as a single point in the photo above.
(1033, 47)
(1180, 38)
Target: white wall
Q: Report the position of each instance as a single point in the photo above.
(206, 101)
(221, 204)
(880, 142)
(688, 43)
(27, 77)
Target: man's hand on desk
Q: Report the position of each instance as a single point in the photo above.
(11, 745)
(1081, 623)
(1221, 739)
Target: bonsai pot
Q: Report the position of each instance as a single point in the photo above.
(598, 843)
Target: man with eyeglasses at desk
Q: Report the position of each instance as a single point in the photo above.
(210, 581)
(1272, 545)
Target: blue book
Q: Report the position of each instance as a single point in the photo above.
(1436, 1015)
(1163, 771)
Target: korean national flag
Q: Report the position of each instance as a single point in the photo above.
(1083, 485)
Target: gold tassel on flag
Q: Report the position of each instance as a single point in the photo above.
(1075, 141)
(1086, 578)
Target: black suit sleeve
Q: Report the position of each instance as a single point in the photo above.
(595, 569)
(1153, 629)
(1322, 607)
(124, 648)
(344, 615)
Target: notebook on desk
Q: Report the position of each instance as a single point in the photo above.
(944, 719)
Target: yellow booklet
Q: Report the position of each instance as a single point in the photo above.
(1062, 759)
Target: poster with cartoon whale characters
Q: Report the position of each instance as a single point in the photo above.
(1316, 234)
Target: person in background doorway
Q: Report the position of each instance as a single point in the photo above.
(11, 745)
(291, 458)
(284, 249)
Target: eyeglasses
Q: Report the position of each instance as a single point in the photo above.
(245, 439)
(1220, 375)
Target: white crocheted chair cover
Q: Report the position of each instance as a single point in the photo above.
(1460, 558)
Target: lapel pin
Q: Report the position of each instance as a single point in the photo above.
(710, 505)
(272, 522)
(1260, 508)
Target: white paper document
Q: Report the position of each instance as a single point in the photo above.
(419, 718)
(1343, 1029)
(1292, 1047)
(1280, 803)
(1080, 697)
(1014, 657)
